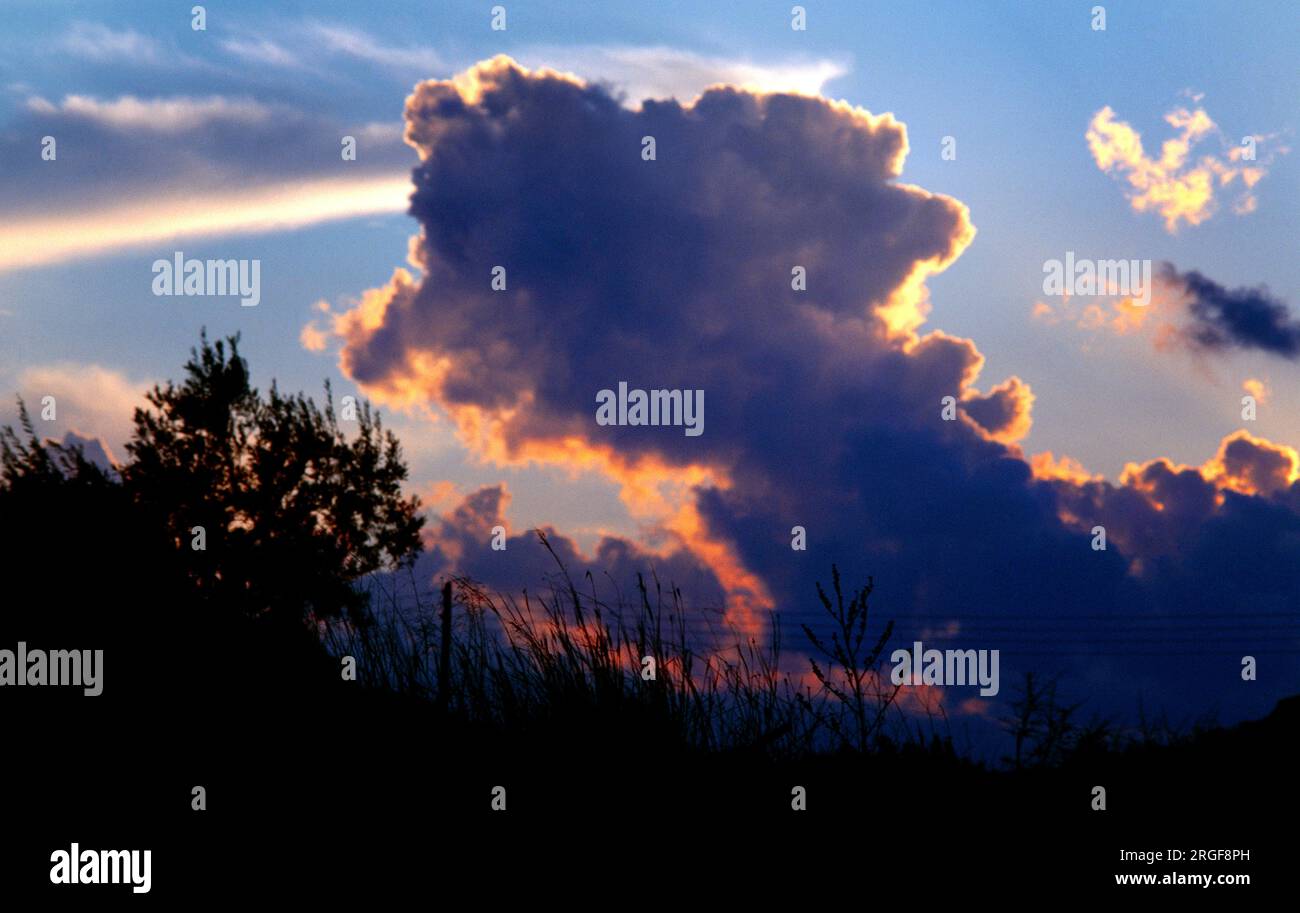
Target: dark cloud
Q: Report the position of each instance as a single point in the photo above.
(461, 542)
(1242, 318)
(823, 407)
(674, 273)
(1160, 510)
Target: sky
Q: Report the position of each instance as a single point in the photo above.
(923, 162)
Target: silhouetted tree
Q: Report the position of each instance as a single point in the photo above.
(293, 510)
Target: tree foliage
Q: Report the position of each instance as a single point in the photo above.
(293, 510)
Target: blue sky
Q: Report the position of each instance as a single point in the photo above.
(1014, 83)
(154, 119)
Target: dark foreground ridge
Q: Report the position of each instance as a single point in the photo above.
(215, 675)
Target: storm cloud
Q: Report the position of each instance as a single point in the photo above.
(826, 406)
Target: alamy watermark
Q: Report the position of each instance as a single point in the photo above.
(1127, 278)
(946, 667)
(78, 866)
(653, 407)
(200, 278)
(76, 668)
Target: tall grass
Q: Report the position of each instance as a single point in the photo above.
(573, 656)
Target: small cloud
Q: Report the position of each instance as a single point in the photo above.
(312, 338)
(1188, 310)
(1043, 311)
(381, 131)
(1256, 388)
(262, 51)
(358, 44)
(1181, 189)
(98, 42)
(1222, 318)
(162, 115)
(1121, 316)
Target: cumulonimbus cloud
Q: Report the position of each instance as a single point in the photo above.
(824, 406)
(707, 226)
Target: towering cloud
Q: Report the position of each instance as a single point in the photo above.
(826, 406)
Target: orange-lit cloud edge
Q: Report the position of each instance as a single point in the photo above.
(1179, 188)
